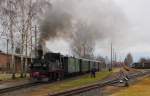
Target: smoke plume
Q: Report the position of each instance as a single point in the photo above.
(56, 23)
(102, 18)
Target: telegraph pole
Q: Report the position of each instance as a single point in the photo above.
(26, 53)
(111, 54)
(8, 65)
(12, 40)
(31, 47)
(35, 40)
(115, 56)
(30, 22)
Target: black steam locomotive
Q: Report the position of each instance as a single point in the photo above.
(54, 66)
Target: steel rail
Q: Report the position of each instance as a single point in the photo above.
(96, 86)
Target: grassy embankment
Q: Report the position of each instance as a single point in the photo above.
(82, 81)
(8, 77)
(140, 89)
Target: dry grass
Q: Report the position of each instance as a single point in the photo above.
(8, 77)
(79, 82)
(116, 70)
(69, 84)
(140, 89)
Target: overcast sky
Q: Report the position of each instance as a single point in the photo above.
(138, 15)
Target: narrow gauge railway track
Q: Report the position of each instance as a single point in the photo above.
(74, 91)
(19, 87)
(77, 91)
(84, 89)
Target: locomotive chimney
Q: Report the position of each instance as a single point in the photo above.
(40, 51)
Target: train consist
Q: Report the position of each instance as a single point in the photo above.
(54, 66)
(145, 65)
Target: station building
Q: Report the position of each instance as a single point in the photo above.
(5, 62)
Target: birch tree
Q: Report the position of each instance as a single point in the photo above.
(8, 12)
(29, 12)
(19, 16)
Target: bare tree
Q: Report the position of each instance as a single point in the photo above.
(8, 11)
(4, 34)
(83, 41)
(143, 60)
(18, 17)
(128, 60)
(29, 12)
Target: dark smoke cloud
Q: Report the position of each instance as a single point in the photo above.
(56, 23)
(103, 17)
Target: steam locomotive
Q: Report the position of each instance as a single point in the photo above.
(54, 66)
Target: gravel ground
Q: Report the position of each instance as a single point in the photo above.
(109, 90)
(13, 83)
(23, 92)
